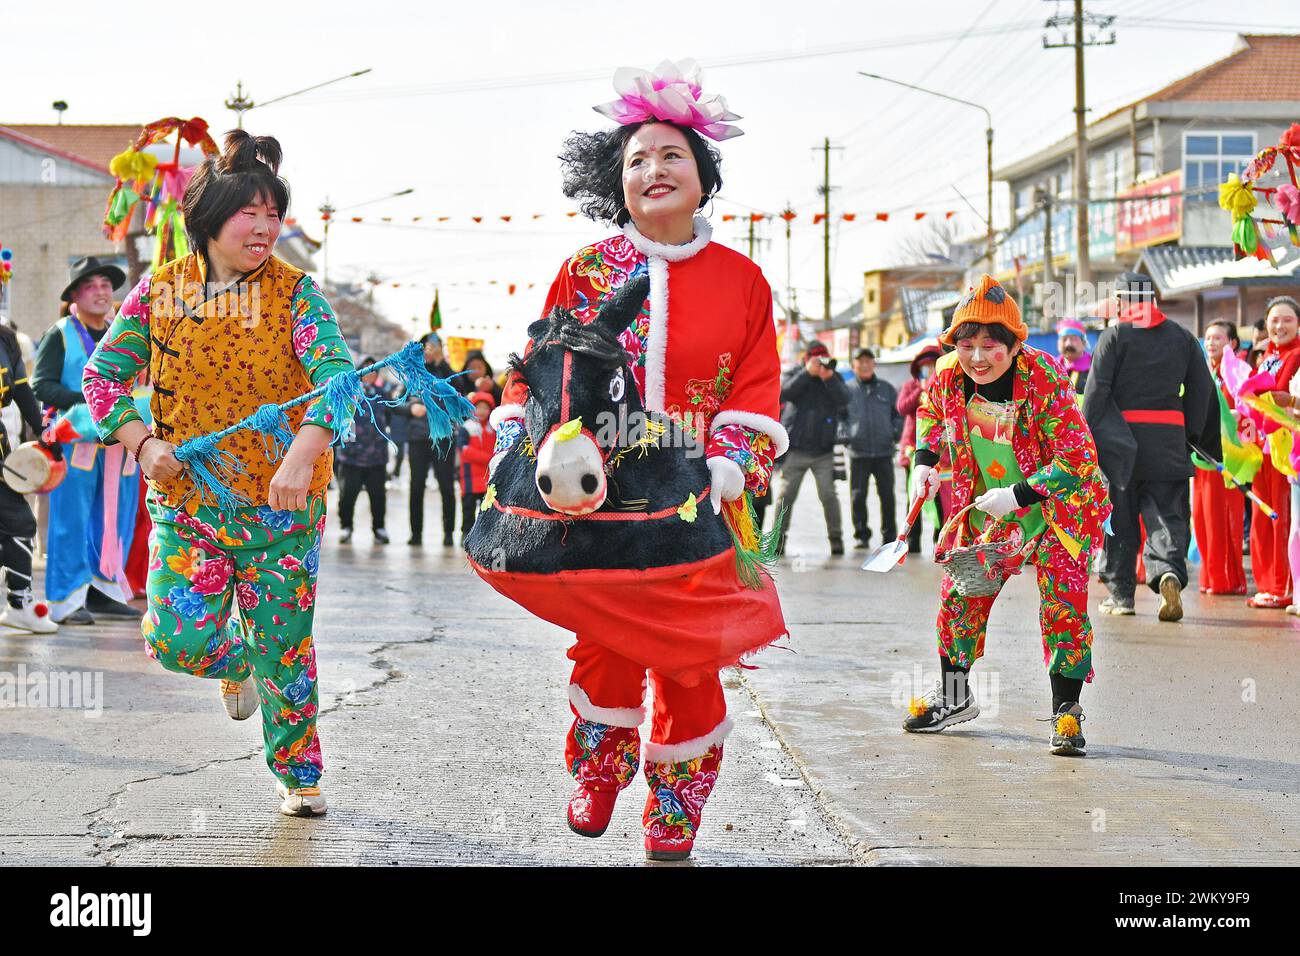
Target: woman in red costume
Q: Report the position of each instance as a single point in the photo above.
(1268, 539)
(708, 361)
(1218, 508)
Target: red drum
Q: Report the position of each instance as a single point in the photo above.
(31, 469)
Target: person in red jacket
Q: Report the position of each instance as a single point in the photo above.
(475, 443)
(1270, 563)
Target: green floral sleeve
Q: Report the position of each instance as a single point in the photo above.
(120, 356)
(320, 348)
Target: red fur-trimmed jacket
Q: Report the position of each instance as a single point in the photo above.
(703, 347)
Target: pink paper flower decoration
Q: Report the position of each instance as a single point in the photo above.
(1287, 199)
(671, 92)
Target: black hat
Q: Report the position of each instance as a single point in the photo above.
(89, 266)
(1135, 287)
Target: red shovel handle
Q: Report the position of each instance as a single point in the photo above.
(912, 514)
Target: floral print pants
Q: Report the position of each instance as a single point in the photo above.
(203, 567)
(1062, 614)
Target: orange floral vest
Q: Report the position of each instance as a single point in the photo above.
(213, 363)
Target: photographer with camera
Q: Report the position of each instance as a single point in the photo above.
(815, 399)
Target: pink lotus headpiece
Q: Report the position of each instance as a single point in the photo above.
(671, 92)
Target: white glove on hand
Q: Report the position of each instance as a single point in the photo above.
(726, 480)
(926, 481)
(998, 502)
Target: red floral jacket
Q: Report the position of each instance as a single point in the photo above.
(1051, 442)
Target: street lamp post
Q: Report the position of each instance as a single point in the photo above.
(240, 103)
(327, 212)
(988, 138)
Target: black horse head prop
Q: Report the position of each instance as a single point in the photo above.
(597, 482)
(598, 519)
(581, 389)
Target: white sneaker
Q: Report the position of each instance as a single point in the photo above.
(300, 801)
(240, 698)
(32, 617)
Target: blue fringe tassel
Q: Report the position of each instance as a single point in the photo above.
(271, 422)
(213, 471)
(447, 407)
(341, 396)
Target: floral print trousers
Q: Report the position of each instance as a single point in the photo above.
(1062, 614)
(234, 596)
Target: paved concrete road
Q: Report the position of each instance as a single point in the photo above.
(445, 715)
(1190, 726)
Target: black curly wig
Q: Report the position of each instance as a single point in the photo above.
(593, 169)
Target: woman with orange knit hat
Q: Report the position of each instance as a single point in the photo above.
(1007, 415)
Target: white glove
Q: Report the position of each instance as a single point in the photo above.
(998, 502)
(726, 480)
(926, 481)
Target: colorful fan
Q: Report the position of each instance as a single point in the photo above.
(142, 178)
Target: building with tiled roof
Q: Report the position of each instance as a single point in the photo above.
(1175, 145)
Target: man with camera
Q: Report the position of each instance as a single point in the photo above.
(814, 399)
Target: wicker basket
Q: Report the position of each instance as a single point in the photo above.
(979, 569)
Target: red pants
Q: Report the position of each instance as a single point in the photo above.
(610, 689)
(1268, 539)
(1217, 513)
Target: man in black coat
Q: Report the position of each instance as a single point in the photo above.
(1149, 393)
(815, 399)
(875, 426)
(425, 457)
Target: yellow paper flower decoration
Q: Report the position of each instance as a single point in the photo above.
(917, 707)
(1237, 197)
(488, 498)
(687, 511)
(130, 165)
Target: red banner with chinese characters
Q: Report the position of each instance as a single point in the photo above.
(1153, 220)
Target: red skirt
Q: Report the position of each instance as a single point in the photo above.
(685, 622)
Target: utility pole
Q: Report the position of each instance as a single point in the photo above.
(751, 237)
(825, 190)
(240, 103)
(1083, 268)
(1043, 200)
(327, 216)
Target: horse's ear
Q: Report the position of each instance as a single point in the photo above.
(618, 311)
(537, 329)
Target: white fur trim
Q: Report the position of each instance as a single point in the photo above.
(503, 412)
(687, 749)
(650, 249)
(760, 423)
(614, 716)
(656, 346)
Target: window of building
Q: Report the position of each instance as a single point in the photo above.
(1024, 202)
(1209, 158)
(1146, 155)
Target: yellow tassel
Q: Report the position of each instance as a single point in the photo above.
(1067, 726)
(738, 517)
(917, 707)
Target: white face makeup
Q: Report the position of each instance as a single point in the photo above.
(984, 359)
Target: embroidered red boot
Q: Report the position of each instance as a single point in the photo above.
(603, 759)
(678, 792)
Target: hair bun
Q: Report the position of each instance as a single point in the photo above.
(243, 151)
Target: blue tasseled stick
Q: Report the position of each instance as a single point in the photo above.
(215, 470)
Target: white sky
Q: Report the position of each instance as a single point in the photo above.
(417, 121)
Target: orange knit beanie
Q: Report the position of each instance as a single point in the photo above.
(988, 304)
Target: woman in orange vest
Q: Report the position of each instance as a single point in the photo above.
(224, 331)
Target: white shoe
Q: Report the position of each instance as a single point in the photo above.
(33, 618)
(240, 698)
(300, 801)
